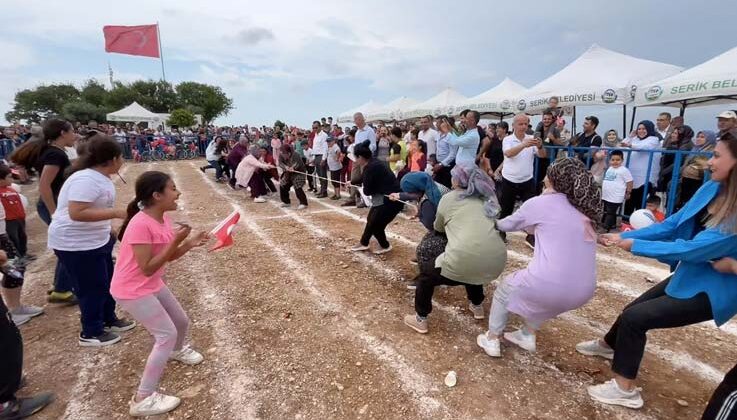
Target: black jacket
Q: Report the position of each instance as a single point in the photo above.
(378, 179)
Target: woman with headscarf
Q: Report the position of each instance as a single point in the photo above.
(692, 172)
(563, 221)
(292, 164)
(475, 254)
(249, 174)
(420, 187)
(680, 139)
(610, 141)
(642, 140)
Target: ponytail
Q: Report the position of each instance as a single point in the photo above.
(28, 153)
(147, 184)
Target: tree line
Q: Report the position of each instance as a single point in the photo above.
(93, 101)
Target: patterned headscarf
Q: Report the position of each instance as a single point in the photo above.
(421, 182)
(570, 177)
(477, 184)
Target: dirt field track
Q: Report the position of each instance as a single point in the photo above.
(294, 326)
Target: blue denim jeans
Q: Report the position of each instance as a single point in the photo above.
(62, 281)
(93, 271)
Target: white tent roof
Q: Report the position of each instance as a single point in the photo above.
(135, 113)
(365, 109)
(709, 83)
(598, 77)
(391, 110)
(497, 100)
(445, 102)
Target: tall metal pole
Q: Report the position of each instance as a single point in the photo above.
(161, 52)
(574, 122)
(624, 120)
(632, 121)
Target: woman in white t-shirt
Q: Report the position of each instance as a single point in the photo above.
(80, 235)
(643, 139)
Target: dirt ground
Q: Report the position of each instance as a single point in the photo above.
(295, 326)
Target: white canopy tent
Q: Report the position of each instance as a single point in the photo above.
(598, 77)
(135, 113)
(392, 111)
(710, 83)
(365, 109)
(497, 100)
(445, 102)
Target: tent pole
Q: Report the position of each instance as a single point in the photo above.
(574, 122)
(632, 121)
(683, 108)
(161, 52)
(624, 119)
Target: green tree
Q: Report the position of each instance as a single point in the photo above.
(42, 102)
(181, 118)
(210, 101)
(156, 96)
(93, 92)
(83, 111)
(121, 96)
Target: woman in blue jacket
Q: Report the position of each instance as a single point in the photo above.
(703, 231)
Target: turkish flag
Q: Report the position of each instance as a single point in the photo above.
(134, 40)
(223, 232)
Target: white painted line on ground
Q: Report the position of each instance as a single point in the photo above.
(415, 383)
(238, 384)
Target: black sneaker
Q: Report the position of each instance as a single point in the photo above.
(202, 169)
(530, 241)
(105, 339)
(25, 407)
(120, 325)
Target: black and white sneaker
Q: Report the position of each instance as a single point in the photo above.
(120, 325)
(104, 339)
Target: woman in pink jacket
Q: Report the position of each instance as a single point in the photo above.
(247, 174)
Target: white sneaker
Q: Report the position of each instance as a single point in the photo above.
(383, 250)
(187, 355)
(525, 341)
(477, 311)
(285, 205)
(259, 200)
(359, 248)
(19, 319)
(491, 347)
(301, 207)
(28, 310)
(153, 404)
(610, 393)
(594, 348)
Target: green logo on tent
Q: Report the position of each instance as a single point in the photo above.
(521, 105)
(653, 93)
(609, 96)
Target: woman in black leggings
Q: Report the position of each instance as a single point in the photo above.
(703, 231)
(378, 182)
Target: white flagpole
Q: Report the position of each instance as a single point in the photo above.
(161, 52)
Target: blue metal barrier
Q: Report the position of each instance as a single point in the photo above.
(680, 156)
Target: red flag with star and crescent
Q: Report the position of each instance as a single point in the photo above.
(223, 232)
(134, 40)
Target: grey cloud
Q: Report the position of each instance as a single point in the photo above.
(253, 36)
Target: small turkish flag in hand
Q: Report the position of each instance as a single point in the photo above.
(223, 232)
(134, 40)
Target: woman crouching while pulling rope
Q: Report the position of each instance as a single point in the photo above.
(701, 233)
(475, 254)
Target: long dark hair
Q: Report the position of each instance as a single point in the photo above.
(99, 150)
(27, 154)
(222, 144)
(147, 184)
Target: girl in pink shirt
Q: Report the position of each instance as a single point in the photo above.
(148, 242)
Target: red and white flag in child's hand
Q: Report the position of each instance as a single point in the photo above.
(223, 232)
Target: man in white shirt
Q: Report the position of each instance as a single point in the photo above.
(319, 150)
(364, 132)
(518, 169)
(429, 135)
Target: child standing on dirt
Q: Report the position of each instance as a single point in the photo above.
(15, 214)
(148, 243)
(334, 159)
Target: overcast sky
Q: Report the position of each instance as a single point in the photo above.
(298, 60)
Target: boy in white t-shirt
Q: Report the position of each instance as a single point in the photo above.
(616, 187)
(334, 158)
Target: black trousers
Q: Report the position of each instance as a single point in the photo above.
(322, 172)
(284, 194)
(426, 283)
(269, 182)
(310, 178)
(610, 214)
(635, 200)
(689, 187)
(16, 230)
(652, 310)
(723, 403)
(511, 191)
(443, 176)
(377, 220)
(11, 356)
